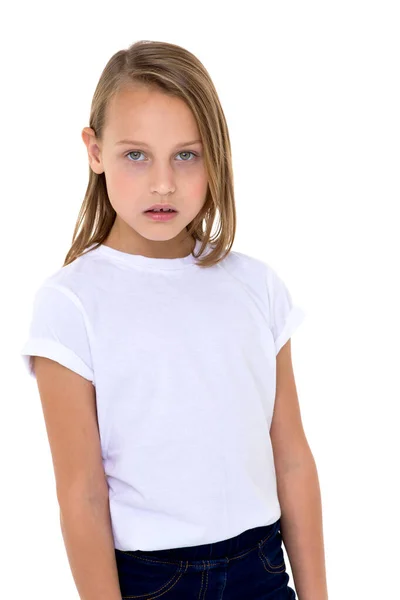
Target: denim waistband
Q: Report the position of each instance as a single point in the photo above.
(244, 541)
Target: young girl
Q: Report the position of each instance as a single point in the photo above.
(162, 356)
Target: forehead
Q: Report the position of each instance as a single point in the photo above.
(149, 115)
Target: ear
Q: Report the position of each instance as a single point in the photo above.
(93, 149)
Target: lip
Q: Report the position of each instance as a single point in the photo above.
(160, 216)
(166, 206)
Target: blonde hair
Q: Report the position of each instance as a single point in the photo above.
(176, 72)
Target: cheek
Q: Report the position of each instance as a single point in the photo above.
(197, 184)
(122, 178)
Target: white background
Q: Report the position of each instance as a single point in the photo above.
(310, 91)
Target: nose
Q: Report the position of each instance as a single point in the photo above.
(163, 181)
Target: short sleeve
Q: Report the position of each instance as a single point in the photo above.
(285, 316)
(59, 331)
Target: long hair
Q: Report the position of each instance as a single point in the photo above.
(176, 72)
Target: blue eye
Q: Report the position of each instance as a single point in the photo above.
(183, 152)
(187, 152)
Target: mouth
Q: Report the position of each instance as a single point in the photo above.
(162, 210)
(160, 215)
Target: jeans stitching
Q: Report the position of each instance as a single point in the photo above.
(197, 563)
(156, 594)
(266, 563)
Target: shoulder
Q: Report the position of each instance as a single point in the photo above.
(252, 270)
(62, 300)
(72, 280)
(59, 327)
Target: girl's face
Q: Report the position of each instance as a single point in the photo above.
(161, 164)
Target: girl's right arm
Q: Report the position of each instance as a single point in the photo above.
(69, 408)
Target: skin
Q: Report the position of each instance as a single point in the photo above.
(138, 176)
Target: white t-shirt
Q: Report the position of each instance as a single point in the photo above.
(183, 360)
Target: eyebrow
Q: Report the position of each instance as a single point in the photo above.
(136, 142)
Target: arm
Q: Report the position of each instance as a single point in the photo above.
(69, 408)
(298, 487)
(89, 543)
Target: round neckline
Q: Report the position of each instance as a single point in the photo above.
(138, 260)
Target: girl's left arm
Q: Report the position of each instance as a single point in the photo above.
(298, 487)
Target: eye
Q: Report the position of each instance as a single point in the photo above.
(188, 152)
(183, 152)
(134, 152)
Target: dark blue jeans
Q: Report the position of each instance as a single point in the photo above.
(249, 566)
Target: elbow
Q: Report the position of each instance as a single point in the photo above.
(77, 496)
(299, 459)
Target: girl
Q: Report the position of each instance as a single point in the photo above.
(161, 356)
